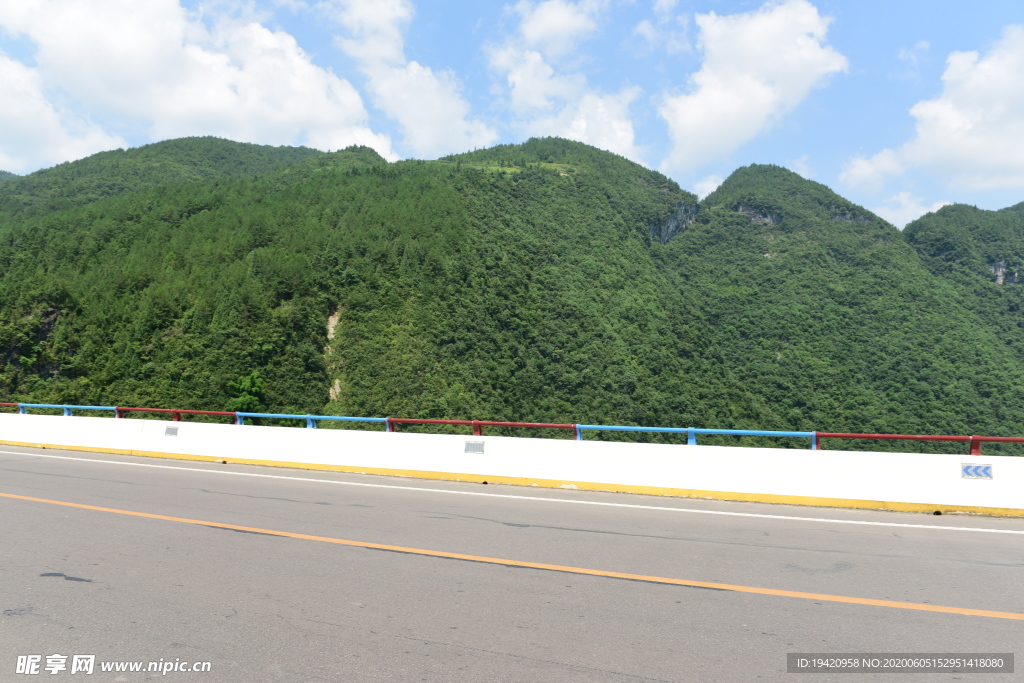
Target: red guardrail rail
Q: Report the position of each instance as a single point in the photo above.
(477, 425)
(975, 440)
(175, 413)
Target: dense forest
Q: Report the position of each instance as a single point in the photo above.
(548, 281)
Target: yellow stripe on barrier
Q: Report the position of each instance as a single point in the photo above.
(848, 503)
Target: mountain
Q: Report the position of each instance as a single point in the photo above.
(970, 242)
(7, 175)
(981, 254)
(459, 287)
(109, 174)
(834, 317)
(548, 281)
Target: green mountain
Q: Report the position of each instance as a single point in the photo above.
(109, 174)
(7, 175)
(981, 254)
(460, 287)
(547, 282)
(833, 316)
(962, 242)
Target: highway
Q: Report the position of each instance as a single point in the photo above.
(273, 574)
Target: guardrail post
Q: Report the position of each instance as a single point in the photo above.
(814, 441)
(22, 410)
(310, 422)
(175, 416)
(117, 412)
(67, 411)
(388, 427)
(691, 437)
(579, 432)
(478, 429)
(975, 445)
(239, 420)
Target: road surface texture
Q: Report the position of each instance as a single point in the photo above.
(281, 599)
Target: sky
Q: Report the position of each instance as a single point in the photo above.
(901, 106)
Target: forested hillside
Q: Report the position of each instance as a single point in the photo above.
(834, 318)
(109, 174)
(981, 254)
(548, 281)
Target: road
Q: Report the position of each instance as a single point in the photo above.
(285, 599)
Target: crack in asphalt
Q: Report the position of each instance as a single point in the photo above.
(66, 577)
(243, 495)
(71, 476)
(691, 539)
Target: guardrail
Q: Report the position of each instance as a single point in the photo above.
(974, 440)
(23, 407)
(175, 413)
(478, 425)
(692, 432)
(391, 424)
(310, 419)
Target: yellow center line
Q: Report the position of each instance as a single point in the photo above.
(824, 597)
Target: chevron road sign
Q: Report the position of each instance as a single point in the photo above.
(976, 471)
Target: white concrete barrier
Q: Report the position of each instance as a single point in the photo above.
(896, 481)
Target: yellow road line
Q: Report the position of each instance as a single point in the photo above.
(550, 567)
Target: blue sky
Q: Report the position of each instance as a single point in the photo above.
(900, 106)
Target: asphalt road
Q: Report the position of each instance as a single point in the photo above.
(266, 607)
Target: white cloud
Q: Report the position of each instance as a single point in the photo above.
(757, 67)
(555, 26)
(596, 119)
(293, 5)
(913, 55)
(702, 188)
(972, 135)
(974, 131)
(374, 27)
(646, 30)
(549, 102)
(871, 172)
(666, 31)
(911, 59)
(153, 68)
(33, 132)
(533, 83)
(802, 166)
(427, 105)
(904, 207)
